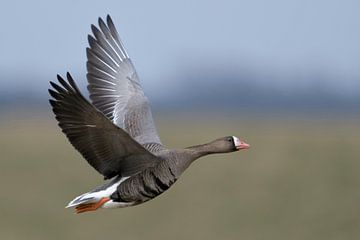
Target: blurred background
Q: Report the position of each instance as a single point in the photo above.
(282, 75)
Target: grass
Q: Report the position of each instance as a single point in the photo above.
(300, 180)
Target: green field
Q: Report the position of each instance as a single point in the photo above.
(299, 180)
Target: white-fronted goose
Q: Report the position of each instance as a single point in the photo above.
(116, 132)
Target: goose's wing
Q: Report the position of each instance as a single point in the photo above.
(108, 148)
(115, 88)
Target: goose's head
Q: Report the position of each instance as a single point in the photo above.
(229, 144)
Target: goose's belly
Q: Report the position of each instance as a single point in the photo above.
(145, 185)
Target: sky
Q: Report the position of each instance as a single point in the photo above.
(39, 39)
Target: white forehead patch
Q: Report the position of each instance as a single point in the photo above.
(236, 141)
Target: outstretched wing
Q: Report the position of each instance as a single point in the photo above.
(108, 148)
(114, 85)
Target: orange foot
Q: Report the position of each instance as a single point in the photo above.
(91, 206)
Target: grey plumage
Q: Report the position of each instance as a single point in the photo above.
(146, 185)
(114, 85)
(116, 132)
(155, 180)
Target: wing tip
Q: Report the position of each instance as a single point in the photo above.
(101, 21)
(53, 93)
(58, 88)
(91, 40)
(95, 30)
(53, 84)
(68, 75)
(109, 20)
(59, 78)
(52, 102)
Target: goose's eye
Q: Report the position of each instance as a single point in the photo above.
(230, 139)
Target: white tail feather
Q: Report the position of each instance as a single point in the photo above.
(84, 198)
(90, 197)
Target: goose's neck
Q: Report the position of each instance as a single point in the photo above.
(201, 150)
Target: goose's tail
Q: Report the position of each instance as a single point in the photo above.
(88, 202)
(98, 198)
(82, 199)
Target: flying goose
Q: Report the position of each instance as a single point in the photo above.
(116, 132)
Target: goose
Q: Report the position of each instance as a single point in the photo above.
(115, 132)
